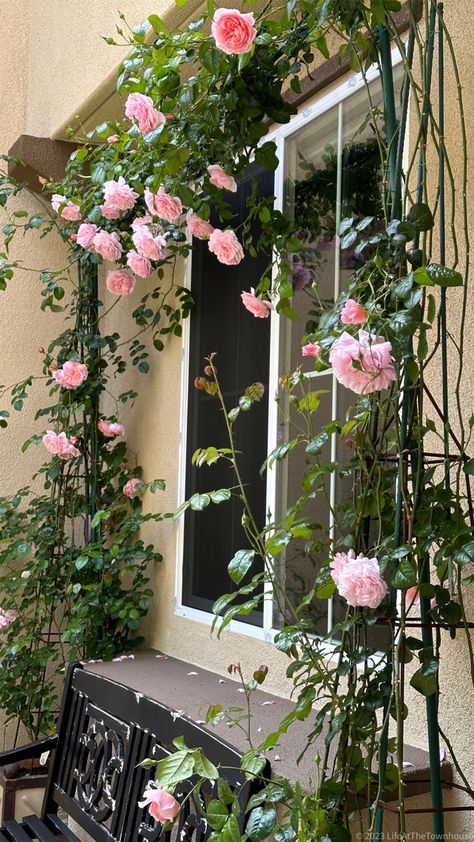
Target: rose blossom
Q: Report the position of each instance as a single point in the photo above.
(108, 245)
(412, 595)
(140, 107)
(69, 451)
(109, 211)
(139, 264)
(226, 247)
(25, 574)
(113, 138)
(219, 178)
(110, 429)
(85, 235)
(233, 31)
(148, 245)
(71, 375)
(120, 282)
(311, 349)
(130, 487)
(373, 356)
(358, 579)
(164, 205)
(60, 445)
(118, 194)
(353, 313)
(161, 804)
(54, 443)
(6, 618)
(198, 227)
(255, 305)
(70, 211)
(141, 220)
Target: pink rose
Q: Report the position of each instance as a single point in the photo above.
(311, 349)
(373, 356)
(113, 138)
(57, 200)
(255, 305)
(70, 211)
(141, 220)
(358, 580)
(85, 235)
(161, 805)
(139, 264)
(108, 245)
(120, 282)
(164, 205)
(353, 313)
(6, 618)
(131, 488)
(54, 443)
(226, 247)
(233, 32)
(220, 179)
(146, 244)
(69, 451)
(412, 595)
(198, 227)
(111, 429)
(60, 445)
(109, 211)
(118, 194)
(140, 107)
(71, 375)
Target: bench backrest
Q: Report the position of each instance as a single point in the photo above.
(105, 729)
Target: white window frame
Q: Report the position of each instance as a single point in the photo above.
(315, 107)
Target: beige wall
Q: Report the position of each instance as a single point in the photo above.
(54, 65)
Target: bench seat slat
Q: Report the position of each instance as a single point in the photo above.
(15, 832)
(4, 838)
(58, 824)
(39, 829)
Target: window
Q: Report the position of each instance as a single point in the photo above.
(220, 324)
(328, 170)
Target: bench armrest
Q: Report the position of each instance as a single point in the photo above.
(35, 749)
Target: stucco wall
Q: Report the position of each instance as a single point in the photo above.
(54, 64)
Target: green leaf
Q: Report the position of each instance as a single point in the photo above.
(217, 814)
(240, 564)
(421, 217)
(348, 239)
(425, 684)
(261, 823)
(266, 156)
(102, 514)
(175, 768)
(465, 555)
(204, 768)
(438, 275)
(198, 502)
(404, 575)
(81, 562)
(469, 467)
(230, 832)
(252, 762)
(221, 495)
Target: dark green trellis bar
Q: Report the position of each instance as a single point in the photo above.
(395, 152)
(88, 320)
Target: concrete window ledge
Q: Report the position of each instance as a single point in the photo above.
(191, 691)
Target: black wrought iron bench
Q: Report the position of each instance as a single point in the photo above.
(104, 731)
